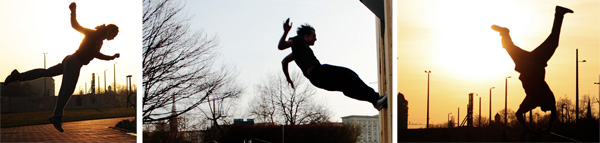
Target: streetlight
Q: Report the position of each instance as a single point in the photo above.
(45, 87)
(563, 111)
(115, 78)
(577, 84)
(105, 80)
(428, 72)
(479, 110)
(449, 123)
(505, 100)
(490, 106)
(598, 83)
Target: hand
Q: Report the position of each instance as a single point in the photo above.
(73, 6)
(287, 25)
(291, 83)
(116, 55)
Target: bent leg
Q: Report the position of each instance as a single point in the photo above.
(335, 78)
(71, 70)
(38, 73)
(519, 114)
(354, 87)
(516, 53)
(548, 47)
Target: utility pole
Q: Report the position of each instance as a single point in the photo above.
(45, 87)
(598, 83)
(105, 80)
(428, 72)
(115, 78)
(490, 121)
(458, 118)
(505, 101)
(577, 84)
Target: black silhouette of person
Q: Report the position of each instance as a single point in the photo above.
(532, 66)
(71, 64)
(328, 77)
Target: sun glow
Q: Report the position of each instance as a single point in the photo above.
(466, 46)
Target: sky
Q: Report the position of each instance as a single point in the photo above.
(33, 27)
(249, 31)
(453, 39)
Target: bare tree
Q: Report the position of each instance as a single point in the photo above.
(512, 119)
(277, 101)
(484, 121)
(219, 107)
(565, 109)
(177, 64)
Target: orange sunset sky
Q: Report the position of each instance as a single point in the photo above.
(453, 39)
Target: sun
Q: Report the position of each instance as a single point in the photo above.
(466, 47)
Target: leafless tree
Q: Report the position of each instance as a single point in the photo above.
(218, 110)
(277, 101)
(178, 64)
(565, 109)
(512, 119)
(484, 121)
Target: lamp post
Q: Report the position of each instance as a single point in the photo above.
(45, 87)
(598, 83)
(428, 72)
(115, 78)
(490, 115)
(479, 110)
(105, 80)
(505, 100)
(577, 84)
(449, 123)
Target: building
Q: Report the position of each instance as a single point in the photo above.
(31, 88)
(369, 125)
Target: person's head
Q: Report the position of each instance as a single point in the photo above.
(308, 33)
(110, 31)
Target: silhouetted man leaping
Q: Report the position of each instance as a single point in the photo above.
(532, 66)
(328, 77)
(71, 64)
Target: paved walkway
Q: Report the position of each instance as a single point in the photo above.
(78, 131)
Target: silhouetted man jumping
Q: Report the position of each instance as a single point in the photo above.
(71, 64)
(532, 66)
(328, 77)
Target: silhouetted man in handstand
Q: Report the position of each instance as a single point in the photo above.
(532, 66)
(328, 77)
(71, 64)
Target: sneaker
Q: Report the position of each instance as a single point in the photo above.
(57, 122)
(500, 29)
(14, 76)
(563, 10)
(381, 103)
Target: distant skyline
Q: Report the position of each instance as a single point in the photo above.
(33, 27)
(453, 39)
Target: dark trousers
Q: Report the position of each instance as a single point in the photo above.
(69, 68)
(335, 78)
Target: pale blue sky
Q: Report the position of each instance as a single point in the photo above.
(249, 31)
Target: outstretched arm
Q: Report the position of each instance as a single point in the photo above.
(284, 64)
(107, 57)
(74, 23)
(283, 44)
